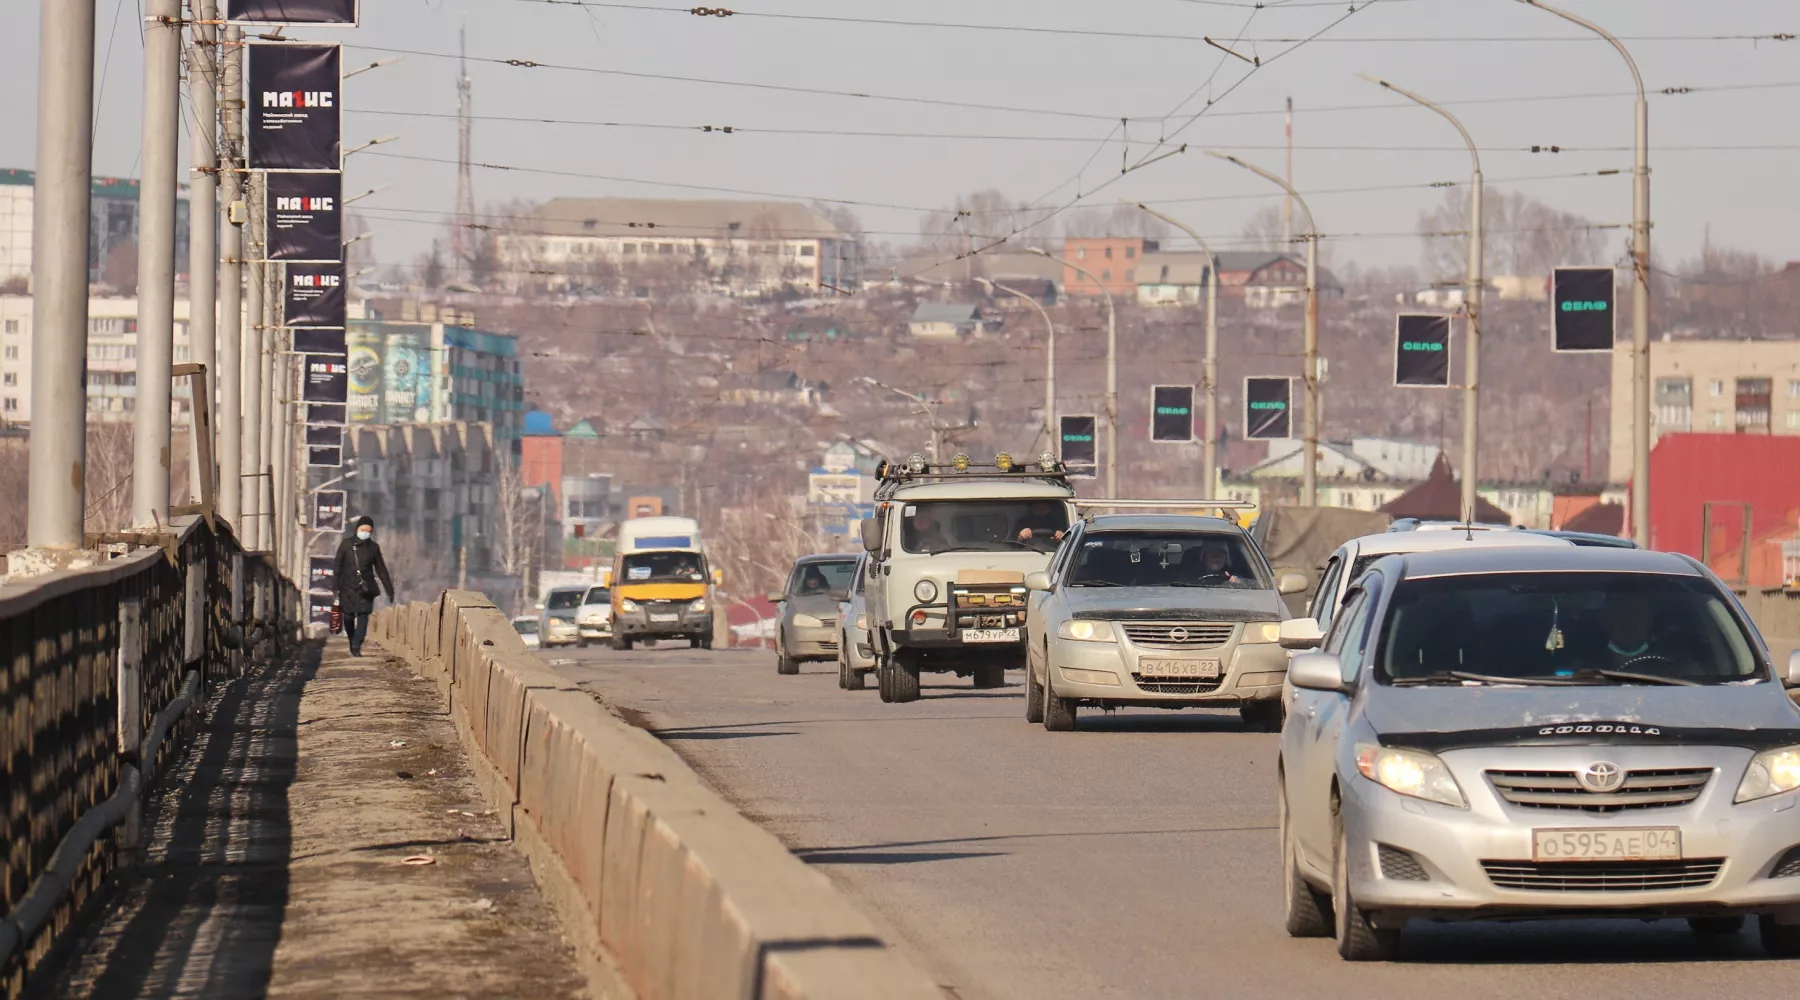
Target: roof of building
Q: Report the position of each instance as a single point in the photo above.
(583, 429)
(946, 312)
(539, 424)
(1440, 498)
(679, 218)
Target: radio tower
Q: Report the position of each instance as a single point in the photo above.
(462, 243)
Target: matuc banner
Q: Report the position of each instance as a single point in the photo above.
(305, 217)
(292, 11)
(294, 120)
(315, 297)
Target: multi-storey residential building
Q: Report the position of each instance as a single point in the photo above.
(633, 245)
(111, 359)
(113, 223)
(426, 370)
(1709, 386)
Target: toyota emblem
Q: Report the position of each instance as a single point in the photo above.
(1178, 634)
(1601, 777)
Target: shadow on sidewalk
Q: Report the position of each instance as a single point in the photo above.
(202, 913)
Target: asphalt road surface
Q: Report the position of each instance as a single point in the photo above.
(1134, 858)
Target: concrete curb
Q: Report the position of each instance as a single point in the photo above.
(667, 892)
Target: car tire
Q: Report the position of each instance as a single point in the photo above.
(622, 643)
(1059, 713)
(1715, 926)
(1307, 911)
(990, 677)
(705, 642)
(785, 664)
(844, 671)
(1357, 939)
(580, 643)
(1779, 940)
(1034, 696)
(1263, 716)
(904, 684)
(884, 678)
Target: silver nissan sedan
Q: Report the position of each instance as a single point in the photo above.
(1520, 733)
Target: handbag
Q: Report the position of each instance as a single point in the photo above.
(337, 618)
(367, 585)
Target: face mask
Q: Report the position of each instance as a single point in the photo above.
(363, 534)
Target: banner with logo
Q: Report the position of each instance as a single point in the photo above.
(328, 510)
(296, 12)
(305, 220)
(324, 458)
(292, 97)
(326, 413)
(327, 379)
(321, 571)
(315, 296)
(318, 607)
(325, 435)
(319, 341)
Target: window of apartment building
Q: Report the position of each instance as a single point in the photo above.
(1109, 253)
(1753, 402)
(629, 248)
(1106, 275)
(1081, 253)
(666, 248)
(1793, 419)
(1715, 420)
(1794, 388)
(1674, 403)
(1716, 388)
(1130, 253)
(12, 327)
(10, 378)
(807, 250)
(10, 403)
(12, 351)
(1130, 275)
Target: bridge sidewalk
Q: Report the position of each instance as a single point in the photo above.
(277, 859)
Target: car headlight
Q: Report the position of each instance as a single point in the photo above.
(862, 623)
(925, 591)
(627, 605)
(698, 606)
(807, 621)
(1409, 772)
(1084, 630)
(1770, 773)
(1262, 632)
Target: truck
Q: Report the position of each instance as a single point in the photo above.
(949, 549)
(661, 585)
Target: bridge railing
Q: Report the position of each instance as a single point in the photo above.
(97, 668)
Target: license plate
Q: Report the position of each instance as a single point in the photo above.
(990, 635)
(1623, 844)
(1204, 669)
(665, 618)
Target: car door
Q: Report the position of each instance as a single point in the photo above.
(1310, 745)
(1043, 607)
(1330, 582)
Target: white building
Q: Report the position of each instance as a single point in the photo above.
(111, 359)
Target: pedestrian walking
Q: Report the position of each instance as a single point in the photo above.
(361, 577)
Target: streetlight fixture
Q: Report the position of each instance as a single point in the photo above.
(1471, 304)
(372, 142)
(1049, 361)
(377, 64)
(358, 197)
(1112, 370)
(1640, 286)
(1309, 365)
(1210, 368)
(925, 407)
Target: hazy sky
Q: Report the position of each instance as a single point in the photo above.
(1495, 54)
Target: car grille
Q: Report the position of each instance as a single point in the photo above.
(1178, 635)
(1162, 685)
(1400, 865)
(1652, 789)
(828, 645)
(1603, 876)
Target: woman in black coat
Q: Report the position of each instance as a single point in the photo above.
(361, 576)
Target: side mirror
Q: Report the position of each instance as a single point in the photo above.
(1039, 581)
(1793, 671)
(1300, 633)
(871, 534)
(776, 597)
(1317, 672)
(1291, 583)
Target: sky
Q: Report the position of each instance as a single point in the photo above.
(1723, 157)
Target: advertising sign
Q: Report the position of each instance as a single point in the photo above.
(319, 341)
(365, 376)
(1583, 300)
(318, 607)
(327, 379)
(325, 413)
(1172, 413)
(296, 12)
(321, 572)
(328, 510)
(1080, 445)
(305, 220)
(406, 376)
(315, 296)
(836, 489)
(1421, 350)
(325, 435)
(324, 458)
(291, 92)
(1268, 407)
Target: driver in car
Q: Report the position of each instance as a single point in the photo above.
(813, 582)
(926, 534)
(1040, 522)
(1627, 619)
(1215, 566)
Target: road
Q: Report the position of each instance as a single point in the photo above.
(1134, 858)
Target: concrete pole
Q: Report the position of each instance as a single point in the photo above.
(203, 206)
(1049, 362)
(1112, 371)
(229, 418)
(251, 526)
(272, 291)
(156, 263)
(59, 316)
(281, 515)
(1209, 451)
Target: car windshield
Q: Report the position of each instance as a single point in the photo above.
(1166, 559)
(983, 525)
(822, 578)
(563, 600)
(1563, 628)
(525, 626)
(597, 595)
(663, 567)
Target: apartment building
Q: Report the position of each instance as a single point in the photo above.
(111, 359)
(1708, 386)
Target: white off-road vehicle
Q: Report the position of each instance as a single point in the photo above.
(949, 548)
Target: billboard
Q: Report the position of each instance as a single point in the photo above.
(1080, 445)
(319, 341)
(328, 510)
(1268, 407)
(1172, 413)
(315, 297)
(321, 573)
(1583, 300)
(325, 413)
(292, 12)
(291, 94)
(304, 220)
(327, 378)
(390, 374)
(318, 608)
(325, 435)
(1421, 350)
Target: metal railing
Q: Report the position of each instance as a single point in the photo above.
(97, 668)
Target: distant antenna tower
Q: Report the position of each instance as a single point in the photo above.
(462, 243)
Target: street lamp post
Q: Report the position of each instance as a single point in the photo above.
(937, 435)
(1309, 476)
(1210, 368)
(1471, 303)
(1640, 286)
(1049, 361)
(1112, 371)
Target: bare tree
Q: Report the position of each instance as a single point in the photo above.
(14, 465)
(1521, 236)
(521, 521)
(108, 476)
(1114, 220)
(1263, 231)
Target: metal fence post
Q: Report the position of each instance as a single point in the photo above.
(130, 694)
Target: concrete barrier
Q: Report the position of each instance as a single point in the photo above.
(665, 889)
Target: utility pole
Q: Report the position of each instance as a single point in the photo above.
(1049, 362)
(156, 263)
(251, 524)
(59, 316)
(1209, 451)
(1112, 370)
(229, 418)
(203, 208)
(1287, 204)
(272, 292)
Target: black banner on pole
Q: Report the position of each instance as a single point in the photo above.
(325, 435)
(1583, 298)
(328, 510)
(292, 94)
(1080, 446)
(1421, 350)
(1172, 413)
(1268, 406)
(327, 413)
(296, 12)
(321, 571)
(319, 341)
(327, 379)
(315, 296)
(324, 458)
(305, 219)
(318, 607)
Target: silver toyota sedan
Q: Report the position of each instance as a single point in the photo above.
(1537, 733)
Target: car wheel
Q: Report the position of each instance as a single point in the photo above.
(990, 676)
(1034, 695)
(844, 671)
(705, 642)
(785, 664)
(904, 684)
(1779, 940)
(884, 677)
(1357, 939)
(1715, 926)
(581, 643)
(622, 642)
(1059, 713)
(1307, 910)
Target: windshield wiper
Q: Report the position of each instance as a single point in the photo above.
(958, 548)
(1094, 583)
(1626, 675)
(1454, 676)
